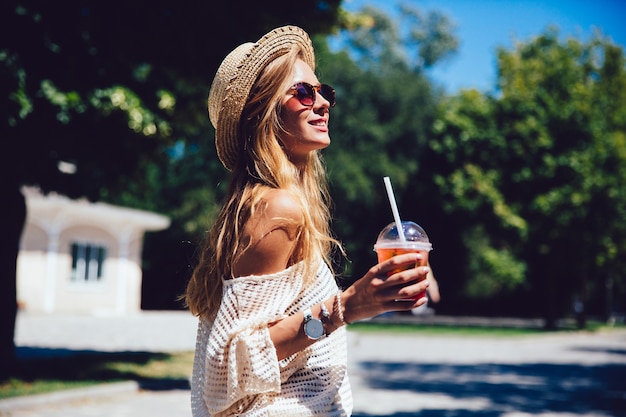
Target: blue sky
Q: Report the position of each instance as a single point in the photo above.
(484, 25)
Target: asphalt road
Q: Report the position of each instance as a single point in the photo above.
(562, 375)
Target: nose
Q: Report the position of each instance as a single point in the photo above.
(320, 100)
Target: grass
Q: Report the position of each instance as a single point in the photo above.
(470, 330)
(402, 328)
(52, 373)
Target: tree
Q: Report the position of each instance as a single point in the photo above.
(484, 227)
(539, 167)
(94, 95)
(576, 204)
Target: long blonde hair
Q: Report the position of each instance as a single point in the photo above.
(262, 165)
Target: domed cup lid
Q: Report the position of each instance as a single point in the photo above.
(415, 235)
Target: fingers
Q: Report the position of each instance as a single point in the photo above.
(400, 269)
(399, 278)
(406, 304)
(406, 276)
(413, 291)
(398, 283)
(411, 284)
(396, 263)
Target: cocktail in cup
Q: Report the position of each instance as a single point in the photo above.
(390, 243)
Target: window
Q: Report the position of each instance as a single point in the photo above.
(87, 262)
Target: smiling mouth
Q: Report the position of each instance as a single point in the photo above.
(321, 123)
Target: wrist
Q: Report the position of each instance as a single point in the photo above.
(326, 317)
(320, 320)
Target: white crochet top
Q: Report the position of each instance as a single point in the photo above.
(236, 371)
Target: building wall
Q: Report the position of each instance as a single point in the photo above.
(45, 261)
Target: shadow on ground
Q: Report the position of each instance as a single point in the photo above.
(536, 388)
(151, 370)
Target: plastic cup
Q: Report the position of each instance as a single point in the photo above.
(389, 244)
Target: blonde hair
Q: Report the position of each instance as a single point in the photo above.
(262, 165)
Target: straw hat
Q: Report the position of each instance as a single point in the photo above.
(235, 77)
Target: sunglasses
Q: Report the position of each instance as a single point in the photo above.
(306, 93)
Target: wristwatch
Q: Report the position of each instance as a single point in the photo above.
(313, 328)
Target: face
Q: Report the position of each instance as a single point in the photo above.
(306, 126)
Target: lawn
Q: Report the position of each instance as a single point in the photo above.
(52, 373)
(470, 330)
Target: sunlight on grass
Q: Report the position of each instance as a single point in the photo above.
(53, 373)
(419, 329)
(175, 365)
(454, 330)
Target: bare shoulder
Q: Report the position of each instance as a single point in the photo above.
(282, 205)
(270, 235)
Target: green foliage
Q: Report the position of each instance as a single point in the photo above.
(539, 166)
(577, 163)
(379, 128)
(521, 192)
(108, 87)
(107, 100)
(491, 270)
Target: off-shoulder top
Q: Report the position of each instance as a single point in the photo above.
(236, 371)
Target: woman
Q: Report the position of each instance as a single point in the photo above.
(271, 338)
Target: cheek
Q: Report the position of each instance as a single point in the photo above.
(291, 117)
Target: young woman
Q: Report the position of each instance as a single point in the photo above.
(271, 337)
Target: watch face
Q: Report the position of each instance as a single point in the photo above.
(314, 328)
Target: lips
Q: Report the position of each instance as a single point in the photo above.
(319, 122)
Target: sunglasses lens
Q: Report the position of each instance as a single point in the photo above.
(328, 93)
(305, 94)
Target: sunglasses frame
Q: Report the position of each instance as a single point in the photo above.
(311, 93)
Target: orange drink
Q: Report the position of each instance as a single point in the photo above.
(389, 244)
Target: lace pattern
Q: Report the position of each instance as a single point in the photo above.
(236, 371)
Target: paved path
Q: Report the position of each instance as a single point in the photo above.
(563, 375)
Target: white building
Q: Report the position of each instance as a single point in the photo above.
(81, 257)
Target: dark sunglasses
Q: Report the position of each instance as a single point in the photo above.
(306, 93)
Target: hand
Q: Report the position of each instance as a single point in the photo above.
(375, 293)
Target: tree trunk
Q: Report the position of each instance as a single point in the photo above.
(13, 224)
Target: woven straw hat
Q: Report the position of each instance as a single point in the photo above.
(235, 77)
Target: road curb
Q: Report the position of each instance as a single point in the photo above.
(97, 391)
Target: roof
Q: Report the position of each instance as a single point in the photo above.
(58, 208)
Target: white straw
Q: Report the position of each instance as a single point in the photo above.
(394, 208)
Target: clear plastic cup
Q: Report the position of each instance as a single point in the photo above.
(389, 244)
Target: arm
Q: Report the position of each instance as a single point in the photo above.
(368, 297)
(272, 235)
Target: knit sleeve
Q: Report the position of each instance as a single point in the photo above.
(240, 359)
